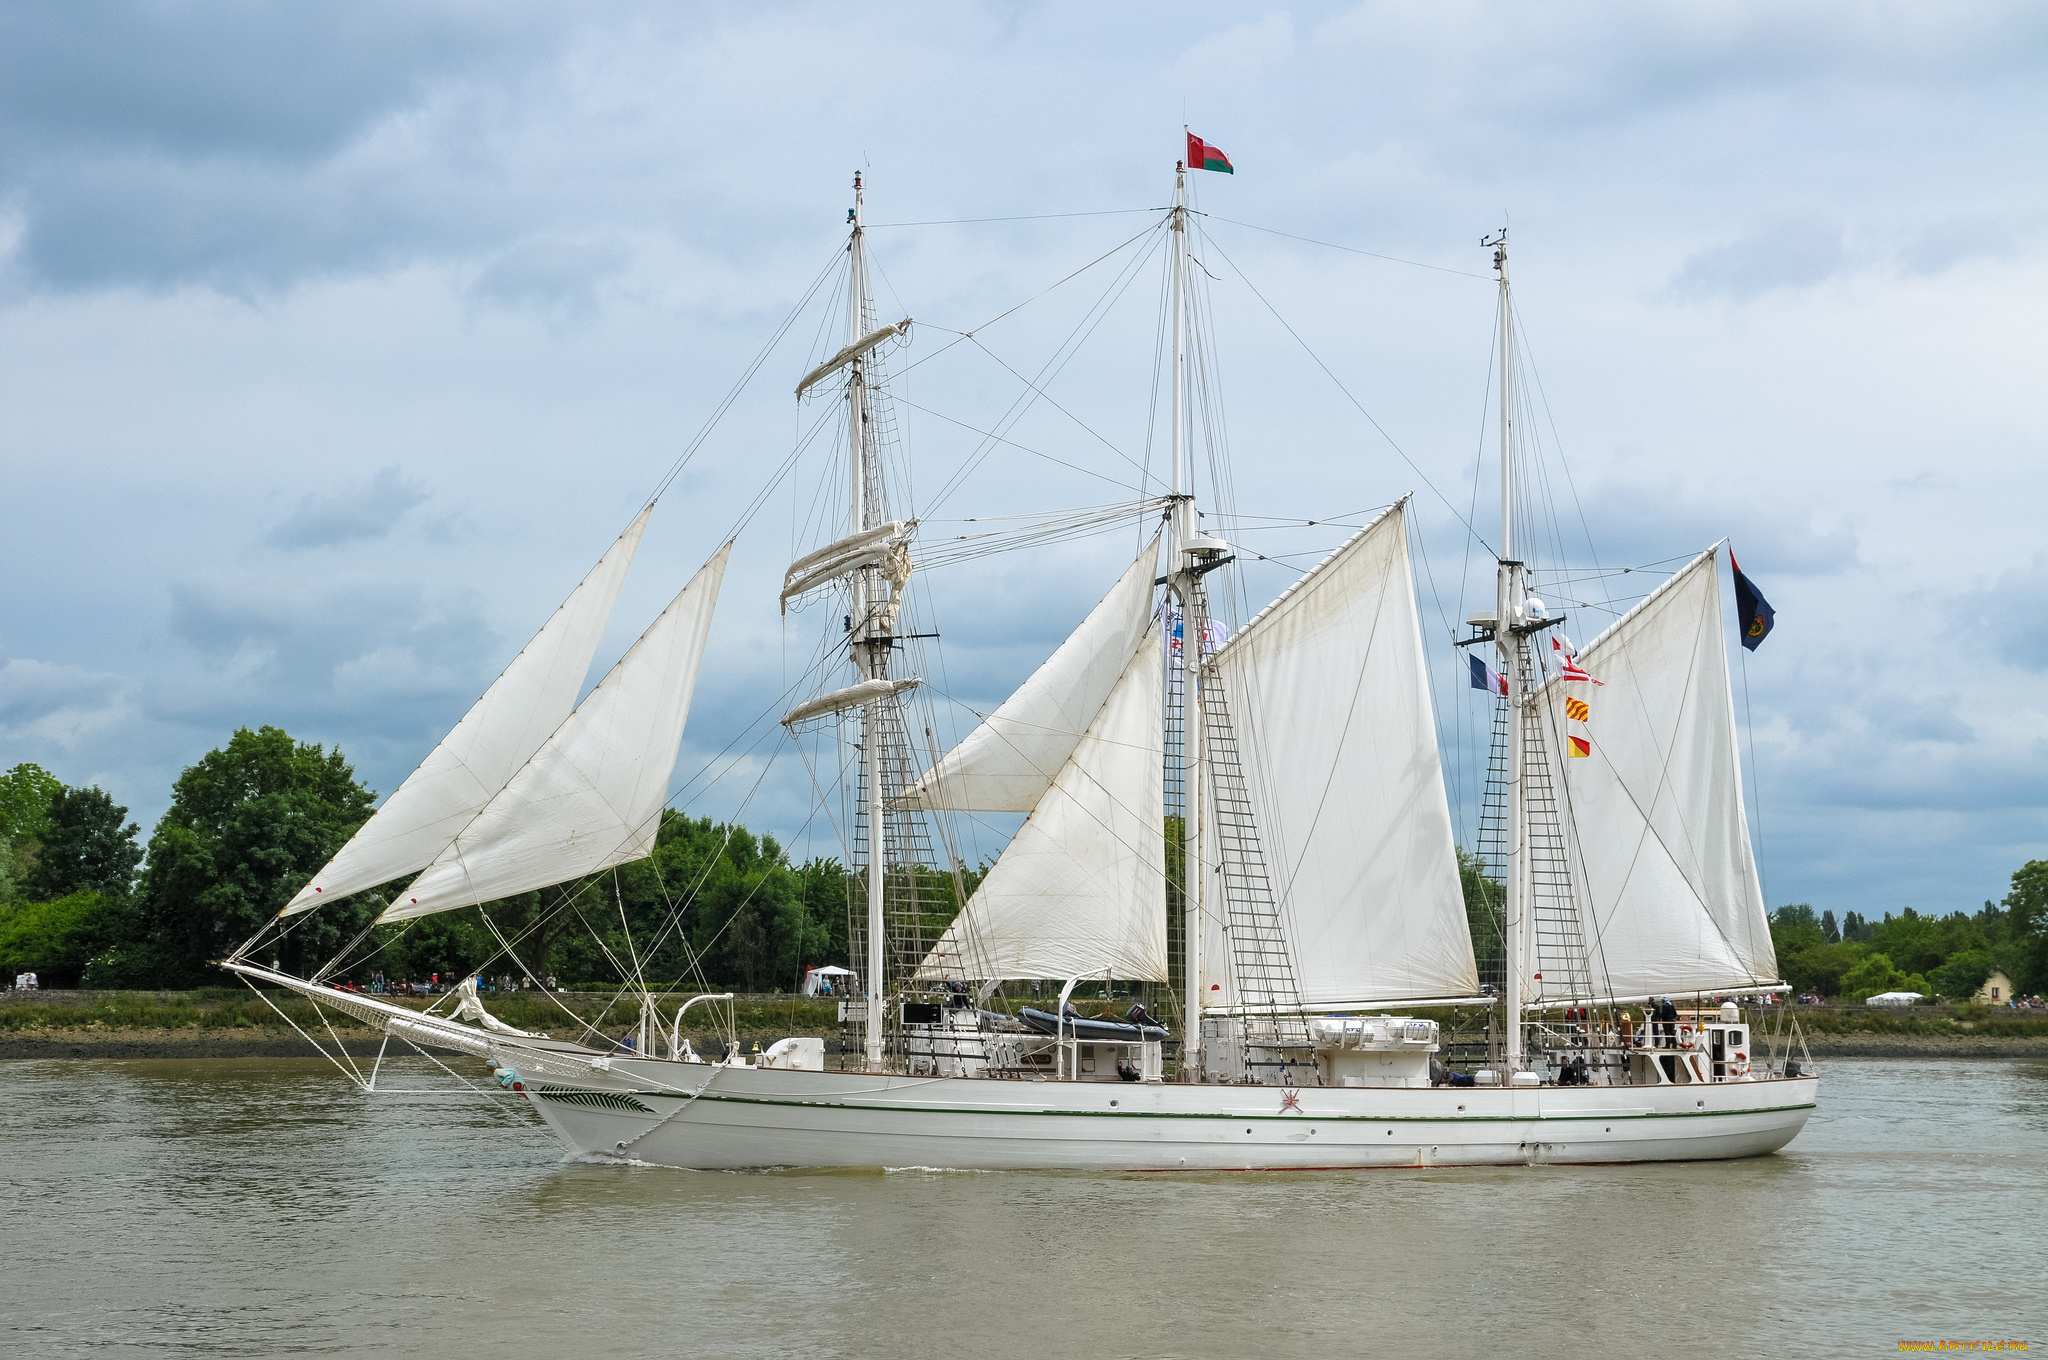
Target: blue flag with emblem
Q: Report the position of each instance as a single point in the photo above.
(1753, 612)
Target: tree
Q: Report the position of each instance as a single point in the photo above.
(59, 938)
(1962, 975)
(1794, 929)
(1818, 969)
(1483, 913)
(248, 824)
(1873, 974)
(1855, 930)
(1829, 931)
(2026, 908)
(25, 794)
(84, 848)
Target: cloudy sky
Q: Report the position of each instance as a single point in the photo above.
(336, 341)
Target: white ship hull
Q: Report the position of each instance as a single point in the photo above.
(715, 1118)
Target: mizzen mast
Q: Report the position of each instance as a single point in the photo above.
(1512, 643)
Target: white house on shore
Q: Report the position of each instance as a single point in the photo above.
(1996, 991)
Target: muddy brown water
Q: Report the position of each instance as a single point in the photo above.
(264, 1207)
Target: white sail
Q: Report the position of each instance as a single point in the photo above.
(1330, 701)
(1662, 855)
(1081, 888)
(592, 795)
(1007, 763)
(524, 704)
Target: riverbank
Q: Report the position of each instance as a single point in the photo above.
(231, 1023)
(226, 1023)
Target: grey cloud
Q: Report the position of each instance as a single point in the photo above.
(290, 82)
(1666, 522)
(1942, 246)
(1792, 254)
(555, 279)
(1930, 719)
(160, 144)
(2004, 617)
(370, 512)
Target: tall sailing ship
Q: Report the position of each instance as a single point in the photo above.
(1320, 932)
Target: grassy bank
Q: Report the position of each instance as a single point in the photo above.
(226, 1011)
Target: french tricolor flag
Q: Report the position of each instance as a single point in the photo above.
(1484, 676)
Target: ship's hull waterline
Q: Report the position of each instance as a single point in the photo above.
(728, 1118)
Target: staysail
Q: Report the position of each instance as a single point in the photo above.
(592, 795)
(1007, 763)
(1080, 889)
(524, 704)
(1661, 846)
(1337, 737)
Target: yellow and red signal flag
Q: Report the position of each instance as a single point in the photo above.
(1581, 747)
(1568, 663)
(1203, 156)
(1578, 710)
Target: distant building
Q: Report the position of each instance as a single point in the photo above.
(1996, 991)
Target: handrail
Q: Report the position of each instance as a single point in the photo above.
(675, 1034)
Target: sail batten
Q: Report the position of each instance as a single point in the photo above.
(527, 702)
(591, 796)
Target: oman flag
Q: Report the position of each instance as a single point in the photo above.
(1202, 156)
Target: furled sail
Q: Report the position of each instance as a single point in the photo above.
(524, 704)
(886, 546)
(1007, 763)
(1081, 887)
(849, 353)
(853, 696)
(592, 795)
(1661, 854)
(1337, 737)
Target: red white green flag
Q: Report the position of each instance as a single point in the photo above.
(1202, 156)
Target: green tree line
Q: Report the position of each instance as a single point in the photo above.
(1854, 958)
(84, 902)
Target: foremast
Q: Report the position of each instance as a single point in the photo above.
(867, 644)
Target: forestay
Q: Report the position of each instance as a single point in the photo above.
(591, 796)
(1331, 705)
(1007, 763)
(499, 733)
(1661, 853)
(1081, 887)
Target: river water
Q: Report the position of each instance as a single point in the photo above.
(264, 1208)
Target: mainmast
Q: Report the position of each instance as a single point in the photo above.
(870, 651)
(1511, 640)
(1186, 541)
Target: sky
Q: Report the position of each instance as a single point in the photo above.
(337, 342)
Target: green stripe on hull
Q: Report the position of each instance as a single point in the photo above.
(1238, 1118)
